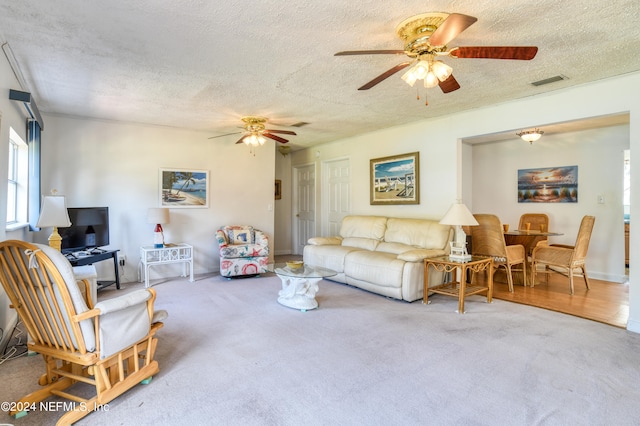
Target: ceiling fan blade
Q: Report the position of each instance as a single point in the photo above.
(384, 76)
(370, 52)
(449, 85)
(274, 137)
(285, 132)
(226, 134)
(524, 53)
(241, 140)
(450, 28)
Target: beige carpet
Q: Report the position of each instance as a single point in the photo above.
(229, 354)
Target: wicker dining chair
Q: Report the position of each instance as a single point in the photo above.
(535, 220)
(564, 259)
(487, 239)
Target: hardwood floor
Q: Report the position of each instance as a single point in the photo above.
(605, 301)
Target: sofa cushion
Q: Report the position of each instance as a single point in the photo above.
(419, 233)
(329, 256)
(382, 269)
(363, 227)
(395, 248)
(361, 243)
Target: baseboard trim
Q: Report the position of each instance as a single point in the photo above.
(608, 277)
(281, 252)
(633, 325)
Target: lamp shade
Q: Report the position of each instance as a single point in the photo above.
(158, 215)
(54, 212)
(459, 214)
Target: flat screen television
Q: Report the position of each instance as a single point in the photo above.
(89, 228)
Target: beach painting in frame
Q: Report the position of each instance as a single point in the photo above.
(395, 180)
(548, 185)
(184, 188)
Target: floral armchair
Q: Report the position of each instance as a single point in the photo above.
(244, 251)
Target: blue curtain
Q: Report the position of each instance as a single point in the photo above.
(33, 142)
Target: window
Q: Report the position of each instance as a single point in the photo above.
(18, 180)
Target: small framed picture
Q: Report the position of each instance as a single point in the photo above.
(184, 188)
(278, 189)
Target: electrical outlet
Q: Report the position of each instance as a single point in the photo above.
(121, 259)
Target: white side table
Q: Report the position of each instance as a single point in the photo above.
(174, 253)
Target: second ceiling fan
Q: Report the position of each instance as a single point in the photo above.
(255, 132)
(425, 38)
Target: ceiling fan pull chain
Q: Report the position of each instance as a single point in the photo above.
(426, 101)
(417, 93)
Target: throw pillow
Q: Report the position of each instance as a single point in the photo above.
(242, 236)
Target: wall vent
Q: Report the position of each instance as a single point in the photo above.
(299, 124)
(549, 80)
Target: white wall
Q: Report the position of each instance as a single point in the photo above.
(443, 156)
(283, 240)
(437, 163)
(114, 164)
(599, 155)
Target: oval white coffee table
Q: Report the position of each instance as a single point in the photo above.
(299, 286)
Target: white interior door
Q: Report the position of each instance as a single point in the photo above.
(336, 195)
(304, 215)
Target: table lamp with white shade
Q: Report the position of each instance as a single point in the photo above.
(159, 216)
(459, 216)
(54, 213)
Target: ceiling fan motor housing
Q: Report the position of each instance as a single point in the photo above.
(254, 124)
(416, 31)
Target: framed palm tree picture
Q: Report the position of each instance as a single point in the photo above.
(182, 188)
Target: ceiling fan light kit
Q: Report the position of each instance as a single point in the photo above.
(255, 133)
(426, 36)
(530, 135)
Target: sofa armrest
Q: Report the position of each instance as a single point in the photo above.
(325, 241)
(419, 255)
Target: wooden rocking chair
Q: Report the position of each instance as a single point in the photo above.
(109, 347)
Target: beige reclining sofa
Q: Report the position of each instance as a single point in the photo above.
(383, 255)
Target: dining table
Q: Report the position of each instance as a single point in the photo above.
(526, 237)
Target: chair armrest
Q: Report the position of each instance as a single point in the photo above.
(516, 253)
(553, 255)
(562, 246)
(221, 236)
(123, 302)
(87, 292)
(125, 320)
(261, 238)
(325, 241)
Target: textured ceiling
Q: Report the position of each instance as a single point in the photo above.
(203, 64)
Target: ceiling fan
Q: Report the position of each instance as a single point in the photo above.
(425, 38)
(254, 133)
